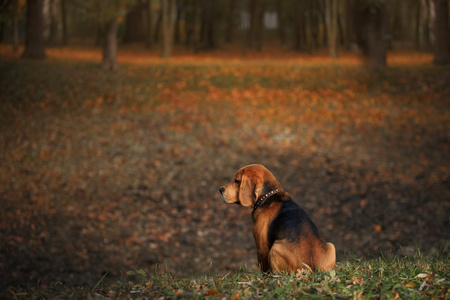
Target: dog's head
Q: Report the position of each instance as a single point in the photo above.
(249, 184)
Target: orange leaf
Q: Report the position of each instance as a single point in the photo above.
(211, 292)
(377, 228)
(236, 296)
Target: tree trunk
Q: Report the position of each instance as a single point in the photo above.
(110, 45)
(134, 24)
(376, 17)
(281, 29)
(34, 41)
(180, 10)
(350, 41)
(158, 26)
(441, 47)
(300, 30)
(314, 24)
(332, 26)
(323, 19)
(64, 22)
(251, 30)
(260, 24)
(148, 36)
(424, 27)
(2, 30)
(168, 13)
(54, 22)
(230, 23)
(191, 15)
(417, 29)
(16, 27)
(340, 29)
(207, 37)
(257, 8)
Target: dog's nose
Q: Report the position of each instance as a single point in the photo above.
(221, 190)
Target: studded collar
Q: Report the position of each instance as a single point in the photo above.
(264, 197)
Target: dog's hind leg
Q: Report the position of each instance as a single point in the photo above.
(328, 258)
(281, 258)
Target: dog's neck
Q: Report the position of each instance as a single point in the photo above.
(264, 197)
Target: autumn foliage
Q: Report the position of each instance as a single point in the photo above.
(101, 171)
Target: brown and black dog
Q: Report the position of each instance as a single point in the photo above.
(286, 238)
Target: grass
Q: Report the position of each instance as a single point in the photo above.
(415, 277)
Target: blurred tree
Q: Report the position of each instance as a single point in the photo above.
(149, 20)
(207, 30)
(332, 26)
(34, 40)
(168, 15)
(54, 6)
(377, 21)
(64, 21)
(3, 8)
(134, 22)
(257, 9)
(158, 26)
(350, 41)
(281, 22)
(16, 26)
(178, 17)
(191, 15)
(314, 22)
(372, 24)
(105, 14)
(441, 47)
(11, 13)
(230, 21)
(403, 22)
(424, 22)
(108, 31)
(300, 26)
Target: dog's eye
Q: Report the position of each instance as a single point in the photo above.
(237, 182)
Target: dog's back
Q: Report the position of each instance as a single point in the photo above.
(291, 223)
(294, 240)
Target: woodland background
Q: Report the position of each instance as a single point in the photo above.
(347, 102)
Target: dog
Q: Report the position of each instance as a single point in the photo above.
(286, 238)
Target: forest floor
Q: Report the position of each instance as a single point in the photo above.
(106, 172)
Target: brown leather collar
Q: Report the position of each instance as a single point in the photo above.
(264, 197)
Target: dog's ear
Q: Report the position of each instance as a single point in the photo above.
(249, 189)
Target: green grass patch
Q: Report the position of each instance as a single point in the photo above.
(382, 278)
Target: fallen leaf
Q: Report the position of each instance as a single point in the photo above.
(211, 292)
(377, 228)
(422, 275)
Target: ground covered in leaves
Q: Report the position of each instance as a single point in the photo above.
(101, 172)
